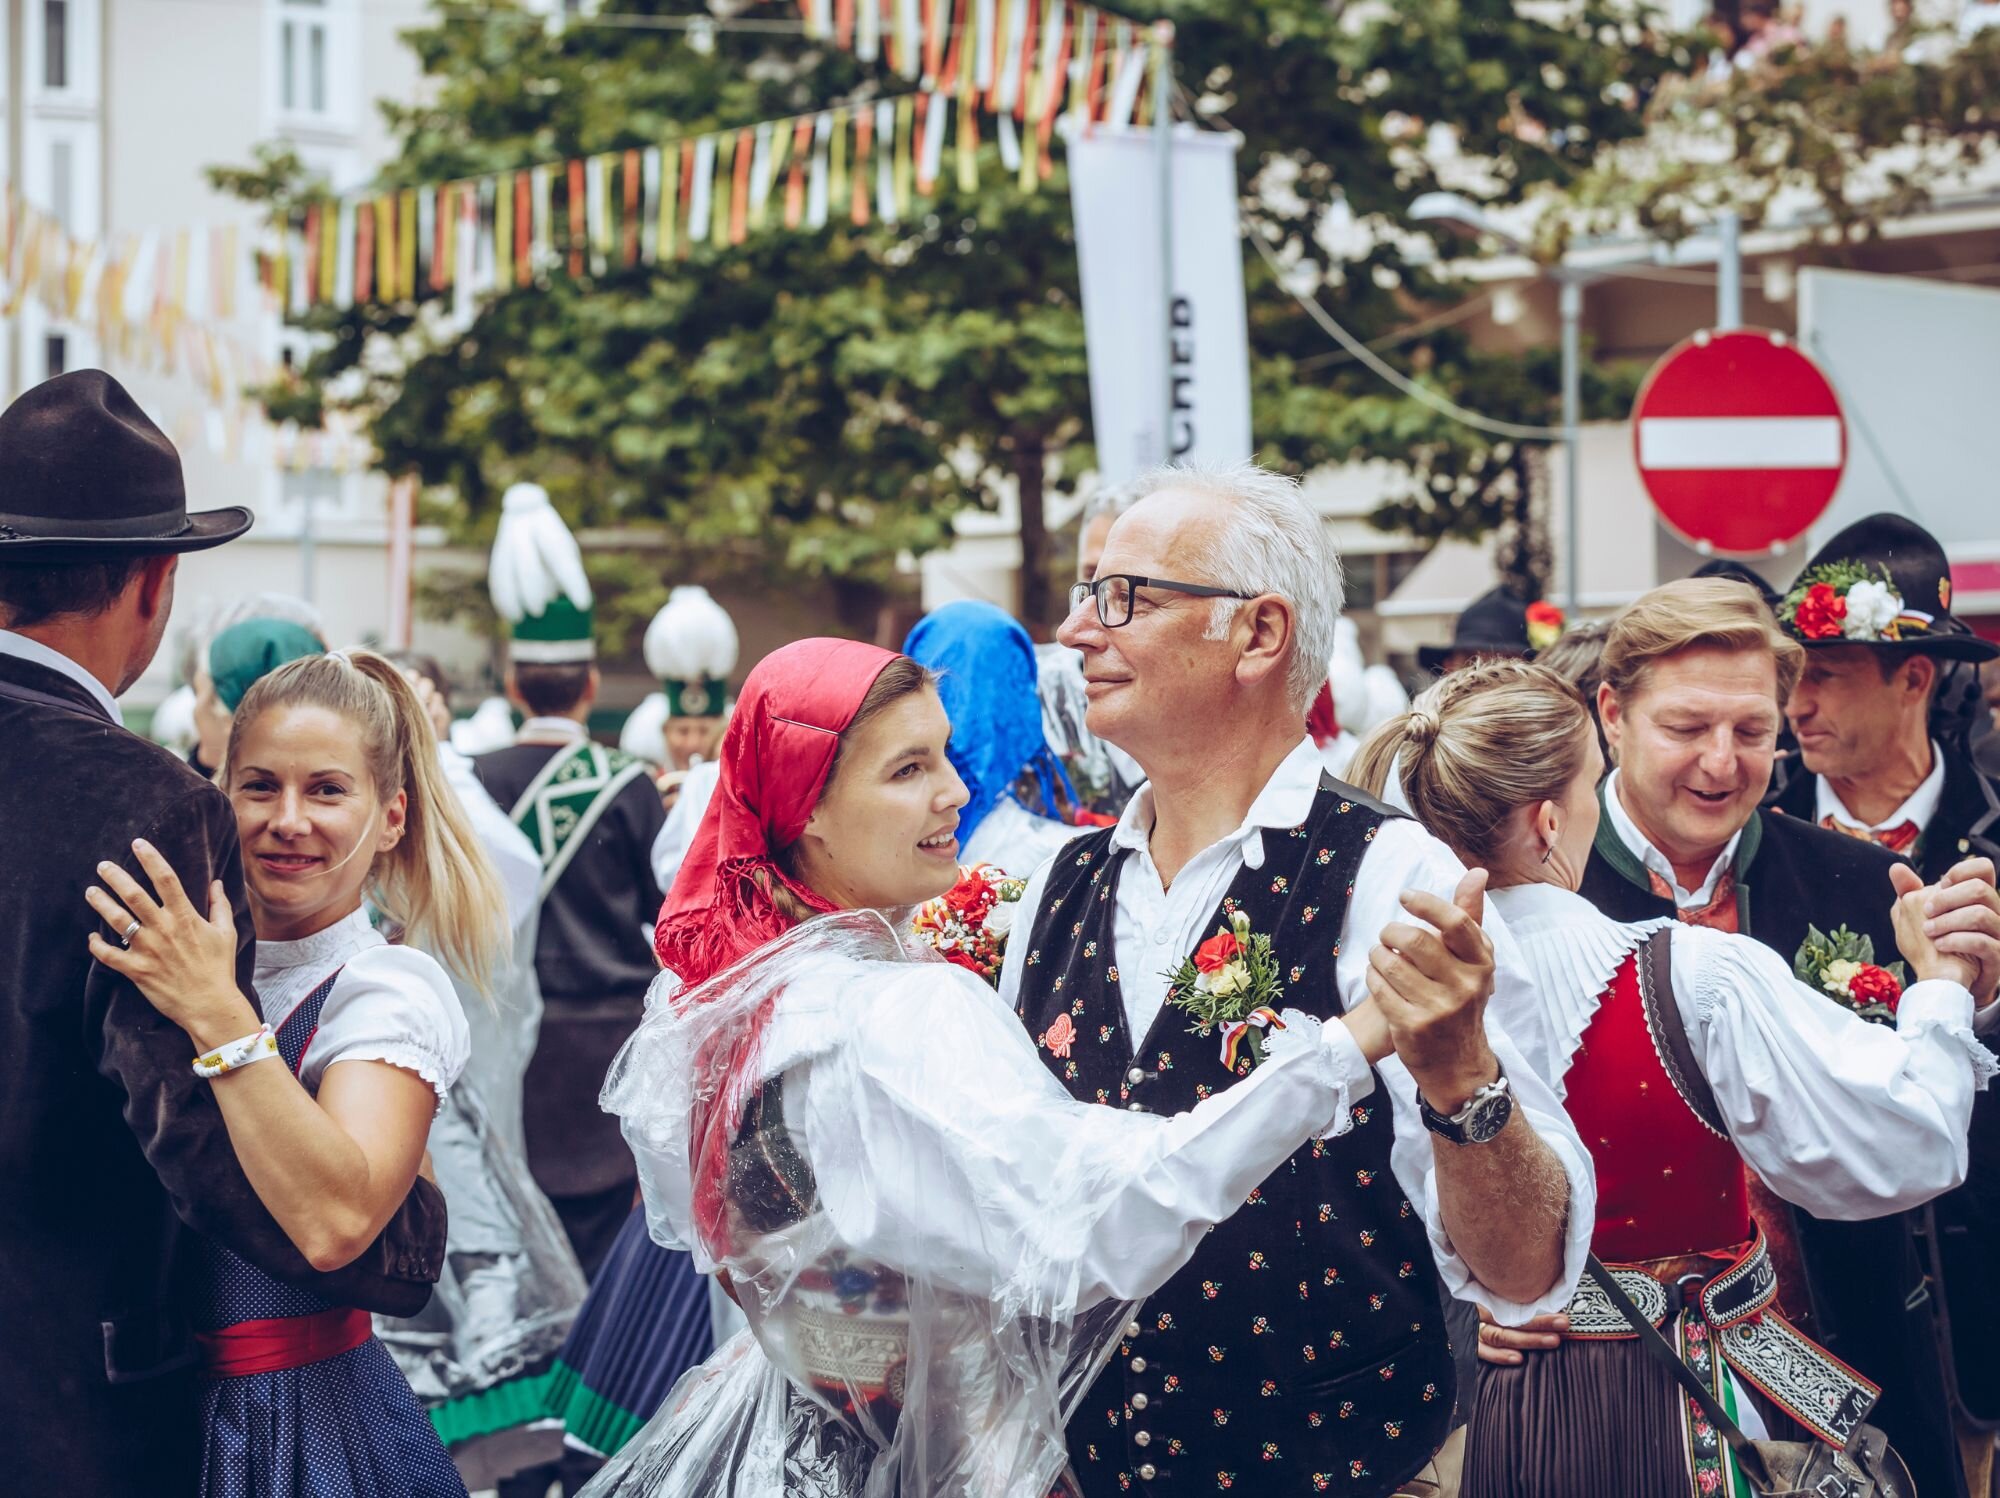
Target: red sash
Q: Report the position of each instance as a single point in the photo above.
(282, 1342)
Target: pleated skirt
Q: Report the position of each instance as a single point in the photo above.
(1590, 1419)
(345, 1427)
(644, 1324)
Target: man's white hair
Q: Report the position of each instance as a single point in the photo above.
(1270, 542)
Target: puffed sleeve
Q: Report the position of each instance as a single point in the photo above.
(395, 1005)
(943, 1146)
(1845, 1118)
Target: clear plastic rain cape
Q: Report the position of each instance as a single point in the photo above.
(912, 1212)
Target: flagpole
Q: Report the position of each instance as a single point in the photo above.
(1163, 155)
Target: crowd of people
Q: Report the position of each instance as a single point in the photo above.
(1167, 1060)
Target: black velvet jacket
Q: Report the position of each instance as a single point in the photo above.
(111, 1150)
(1966, 825)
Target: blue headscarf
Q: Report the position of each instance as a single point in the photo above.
(986, 677)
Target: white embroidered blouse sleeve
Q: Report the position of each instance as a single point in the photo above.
(942, 1145)
(1404, 856)
(1842, 1117)
(392, 1004)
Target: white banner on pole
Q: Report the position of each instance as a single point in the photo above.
(1114, 177)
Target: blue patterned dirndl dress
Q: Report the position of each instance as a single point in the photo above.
(339, 1426)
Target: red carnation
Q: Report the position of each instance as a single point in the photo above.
(1820, 613)
(1874, 985)
(1215, 954)
(965, 960)
(971, 897)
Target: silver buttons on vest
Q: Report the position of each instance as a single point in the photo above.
(1142, 1438)
(1132, 1328)
(1139, 1401)
(1138, 1365)
(1135, 1076)
(1147, 1472)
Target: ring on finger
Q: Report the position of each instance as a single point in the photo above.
(125, 936)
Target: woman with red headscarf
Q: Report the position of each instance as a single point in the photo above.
(933, 1243)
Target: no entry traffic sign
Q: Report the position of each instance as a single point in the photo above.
(1740, 440)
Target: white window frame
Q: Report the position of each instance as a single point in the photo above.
(82, 61)
(338, 23)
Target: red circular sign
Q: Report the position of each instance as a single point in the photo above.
(1739, 439)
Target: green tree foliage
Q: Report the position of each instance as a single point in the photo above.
(820, 405)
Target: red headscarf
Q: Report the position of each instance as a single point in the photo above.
(1320, 720)
(776, 756)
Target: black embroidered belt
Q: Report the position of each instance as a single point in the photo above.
(1738, 1308)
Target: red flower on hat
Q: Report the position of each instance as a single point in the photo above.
(1545, 624)
(1215, 954)
(1873, 985)
(1820, 612)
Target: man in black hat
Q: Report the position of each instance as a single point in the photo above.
(110, 1146)
(1883, 650)
(1497, 624)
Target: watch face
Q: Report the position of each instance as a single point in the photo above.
(1489, 1117)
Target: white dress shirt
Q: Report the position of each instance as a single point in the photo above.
(676, 834)
(1844, 1118)
(1920, 808)
(1155, 927)
(1657, 862)
(35, 652)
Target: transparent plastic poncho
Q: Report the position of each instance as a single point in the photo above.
(935, 1245)
(511, 1285)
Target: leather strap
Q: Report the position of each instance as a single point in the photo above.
(1669, 1032)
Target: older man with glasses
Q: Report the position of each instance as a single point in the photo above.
(1303, 1346)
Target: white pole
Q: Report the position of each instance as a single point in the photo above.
(1571, 303)
(1163, 155)
(1729, 271)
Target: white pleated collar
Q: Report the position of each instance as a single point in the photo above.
(289, 970)
(1572, 950)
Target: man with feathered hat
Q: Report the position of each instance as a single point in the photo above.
(1881, 711)
(691, 647)
(592, 814)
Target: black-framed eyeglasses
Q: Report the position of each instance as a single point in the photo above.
(1115, 595)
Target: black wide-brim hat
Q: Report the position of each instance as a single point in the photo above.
(1914, 565)
(1494, 623)
(86, 476)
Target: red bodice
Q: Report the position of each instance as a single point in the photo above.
(1666, 1184)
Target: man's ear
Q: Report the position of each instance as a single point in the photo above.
(1610, 715)
(1270, 628)
(590, 692)
(155, 585)
(1919, 675)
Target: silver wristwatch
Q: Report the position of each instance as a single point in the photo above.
(1484, 1115)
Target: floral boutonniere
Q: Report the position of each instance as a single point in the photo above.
(969, 924)
(1545, 625)
(1850, 601)
(1843, 965)
(1231, 983)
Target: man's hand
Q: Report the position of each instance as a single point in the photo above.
(1431, 983)
(1954, 924)
(1504, 1345)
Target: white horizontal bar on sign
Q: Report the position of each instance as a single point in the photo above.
(1667, 442)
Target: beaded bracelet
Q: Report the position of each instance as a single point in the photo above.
(259, 1046)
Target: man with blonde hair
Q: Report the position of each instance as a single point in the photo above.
(1695, 675)
(1301, 1349)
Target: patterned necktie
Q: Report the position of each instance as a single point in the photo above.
(1719, 914)
(1898, 839)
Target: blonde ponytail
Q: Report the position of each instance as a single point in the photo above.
(437, 883)
(1477, 746)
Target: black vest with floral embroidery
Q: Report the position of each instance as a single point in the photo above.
(1302, 1349)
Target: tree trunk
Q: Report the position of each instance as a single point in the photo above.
(1036, 612)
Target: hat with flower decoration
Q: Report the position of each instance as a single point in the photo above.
(691, 646)
(1498, 623)
(1882, 581)
(535, 574)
